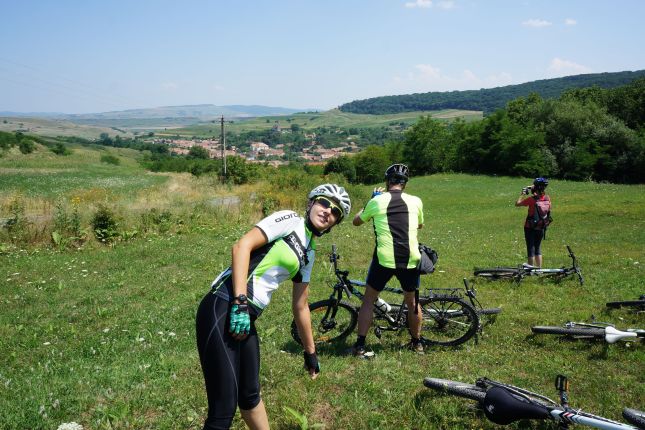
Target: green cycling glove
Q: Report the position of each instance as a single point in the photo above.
(240, 319)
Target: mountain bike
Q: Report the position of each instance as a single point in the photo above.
(594, 330)
(448, 320)
(504, 403)
(520, 272)
(637, 305)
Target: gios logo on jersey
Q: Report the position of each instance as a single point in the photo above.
(287, 216)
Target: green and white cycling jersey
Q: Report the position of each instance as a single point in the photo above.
(396, 216)
(289, 254)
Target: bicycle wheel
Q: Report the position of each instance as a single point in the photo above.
(330, 321)
(460, 389)
(447, 321)
(635, 417)
(636, 304)
(593, 332)
(498, 273)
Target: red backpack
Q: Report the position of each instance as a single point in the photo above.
(542, 214)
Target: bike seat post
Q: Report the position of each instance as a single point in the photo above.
(562, 385)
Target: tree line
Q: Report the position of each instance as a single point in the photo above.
(489, 99)
(585, 134)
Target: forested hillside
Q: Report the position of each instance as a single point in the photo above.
(585, 134)
(488, 99)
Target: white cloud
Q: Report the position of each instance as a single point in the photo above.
(169, 86)
(426, 4)
(216, 87)
(536, 23)
(426, 78)
(570, 21)
(560, 67)
(419, 3)
(446, 4)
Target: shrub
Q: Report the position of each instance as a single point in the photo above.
(110, 159)
(60, 149)
(105, 225)
(17, 226)
(343, 165)
(26, 146)
(156, 219)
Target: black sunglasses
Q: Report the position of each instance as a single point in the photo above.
(326, 203)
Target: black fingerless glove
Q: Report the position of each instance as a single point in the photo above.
(311, 362)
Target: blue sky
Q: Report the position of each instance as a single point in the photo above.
(97, 56)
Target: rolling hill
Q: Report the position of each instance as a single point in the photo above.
(486, 99)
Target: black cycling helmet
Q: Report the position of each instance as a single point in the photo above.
(397, 174)
(541, 182)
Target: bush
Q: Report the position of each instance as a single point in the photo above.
(104, 225)
(110, 159)
(60, 149)
(26, 146)
(17, 226)
(155, 219)
(343, 165)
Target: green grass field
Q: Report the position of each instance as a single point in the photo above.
(309, 121)
(45, 174)
(104, 336)
(50, 127)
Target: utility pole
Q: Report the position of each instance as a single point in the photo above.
(223, 141)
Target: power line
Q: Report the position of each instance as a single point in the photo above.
(78, 89)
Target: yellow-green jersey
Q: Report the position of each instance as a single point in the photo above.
(396, 216)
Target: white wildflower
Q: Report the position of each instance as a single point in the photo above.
(47, 343)
(70, 426)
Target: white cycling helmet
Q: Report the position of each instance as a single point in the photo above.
(333, 191)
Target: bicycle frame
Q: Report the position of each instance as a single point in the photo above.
(558, 412)
(348, 286)
(520, 272)
(564, 271)
(612, 334)
(398, 320)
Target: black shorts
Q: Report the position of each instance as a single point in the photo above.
(378, 276)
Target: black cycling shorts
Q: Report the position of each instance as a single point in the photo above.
(231, 368)
(533, 239)
(378, 276)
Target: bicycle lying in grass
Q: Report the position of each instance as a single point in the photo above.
(520, 272)
(505, 403)
(448, 320)
(637, 305)
(594, 330)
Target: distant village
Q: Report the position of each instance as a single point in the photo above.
(260, 152)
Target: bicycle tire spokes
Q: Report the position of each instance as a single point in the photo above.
(448, 321)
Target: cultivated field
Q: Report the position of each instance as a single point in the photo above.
(104, 335)
(332, 118)
(47, 127)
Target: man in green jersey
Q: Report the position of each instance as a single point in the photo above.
(397, 216)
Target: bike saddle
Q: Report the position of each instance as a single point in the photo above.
(503, 407)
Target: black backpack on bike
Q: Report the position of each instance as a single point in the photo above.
(428, 260)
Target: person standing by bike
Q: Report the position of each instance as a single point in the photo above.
(397, 216)
(279, 247)
(537, 219)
